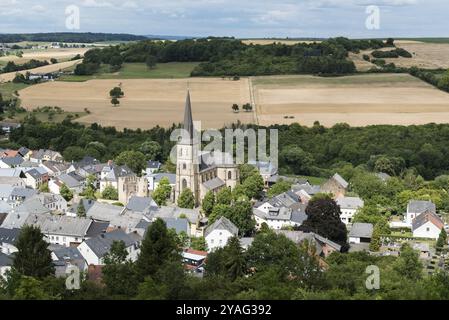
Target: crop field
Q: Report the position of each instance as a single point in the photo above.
(357, 100)
(147, 102)
(63, 54)
(171, 70)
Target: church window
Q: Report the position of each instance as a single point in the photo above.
(229, 175)
(184, 166)
(184, 184)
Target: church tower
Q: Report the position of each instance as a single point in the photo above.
(187, 164)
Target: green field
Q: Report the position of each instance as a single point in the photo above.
(45, 116)
(7, 89)
(170, 70)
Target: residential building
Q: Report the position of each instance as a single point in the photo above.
(8, 238)
(218, 233)
(336, 185)
(418, 207)
(427, 225)
(349, 207)
(361, 233)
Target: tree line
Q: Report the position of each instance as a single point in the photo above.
(71, 37)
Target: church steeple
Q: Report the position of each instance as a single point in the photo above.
(188, 120)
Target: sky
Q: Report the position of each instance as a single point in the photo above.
(238, 18)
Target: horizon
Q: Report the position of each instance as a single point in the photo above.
(203, 18)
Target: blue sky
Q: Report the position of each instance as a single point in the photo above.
(240, 18)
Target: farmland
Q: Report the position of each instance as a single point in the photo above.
(147, 102)
(357, 100)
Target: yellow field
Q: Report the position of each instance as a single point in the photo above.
(147, 103)
(5, 77)
(357, 100)
(59, 54)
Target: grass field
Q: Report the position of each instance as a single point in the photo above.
(147, 102)
(7, 89)
(46, 116)
(357, 100)
(171, 70)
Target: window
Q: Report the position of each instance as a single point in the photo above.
(229, 175)
(184, 184)
(184, 166)
(427, 229)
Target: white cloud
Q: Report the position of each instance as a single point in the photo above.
(96, 4)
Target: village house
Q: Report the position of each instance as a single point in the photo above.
(268, 172)
(277, 218)
(152, 167)
(427, 225)
(11, 162)
(305, 191)
(64, 257)
(337, 186)
(72, 180)
(349, 207)
(218, 233)
(416, 208)
(94, 249)
(194, 260)
(8, 238)
(62, 230)
(193, 216)
(287, 199)
(155, 179)
(45, 155)
(361, 233)
(53, 202)
(35, 178)
(110, 174)
(54, 168)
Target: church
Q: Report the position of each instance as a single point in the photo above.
(199, 171)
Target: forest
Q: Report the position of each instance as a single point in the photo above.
(231, 57)
(70, 37)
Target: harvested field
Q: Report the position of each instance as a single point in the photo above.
(59, 54)
(5, 77)
(147, 102)
(357, 100)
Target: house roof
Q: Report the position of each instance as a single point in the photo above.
(340, 180)
(60, 225)
(9, 235)
(69, 180)
(101, 211)
(11, 172)
(179, 225)
(154, 164)
(23, 151)
(361, 230)
(350, 202)
(5, 260)
(34, 173)
(23, 192)
(96, 228)
(193, 215)
(159, 176)
(113, 172)
(5, 190)
(101, 244)
(140, 204)
(222, 224)
(264, 167)
(13, 161)
(425, 217)
(419, 206)
(213, 184)
(55, 166)
(308, 188)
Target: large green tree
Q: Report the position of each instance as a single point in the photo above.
(33, 258)
(135, 160)
(162, 192)
(186, 199)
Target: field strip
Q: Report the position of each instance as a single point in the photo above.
(5, 77)
(253, 101)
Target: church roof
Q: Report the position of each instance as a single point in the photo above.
(188, 120)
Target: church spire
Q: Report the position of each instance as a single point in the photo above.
(188, 120)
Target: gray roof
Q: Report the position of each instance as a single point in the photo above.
(113, 172)
(23, 150)
(350, 202)
(264, 167)
(425, 217)
(213, 184)
(101, 211)
(159, 176)
(69, 180)
(308, 188)
(340, 180)
(193, 215)
(222, 224)
(11, 172)
(13, 161)
(299, 215)
(97, 228)
(179, 225)
(60, 225)
(418, 206)
(23, 192)
(9, 235)
(361, 230)
(140, 204)
(286, 199)
(5, 260)
(65, 253)
(153, 164)
(34, 173)
(5, 190)
(101, 244)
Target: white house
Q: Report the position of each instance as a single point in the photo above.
(427, 225)
(218, 233)
(53, 202)
(361, 233)
(417, 207)
(36, 177)
(62, 230)
(278, 218)
(94, 249)
(155, 178)
(8, 239)
(349, 207)
(152, 167)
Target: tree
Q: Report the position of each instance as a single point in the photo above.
(408, 264)
(198, 244)
(53, 60)
(297, 160)
(375, 239)
(73, 153)
(240, 214)
(118, 273)
(442, 239)
(278, 188)
(151, 149)
(162, 192)
(134, 160)
(115, 102)
(158, 247)
(224, 196)
(235, 262)
(247, 107)
(151, 61)
(66, 193)
(44, 187)
(208, 203)
(30, 289)
(186, 199)
(323, 218)
(33, 258)
(254, 186)
(116, 92)
(81, 210)
(235, 107)
(110, 193)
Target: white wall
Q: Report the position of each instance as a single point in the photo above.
(427, 230)
(347, 215)
(217, 239)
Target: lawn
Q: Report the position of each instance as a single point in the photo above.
(170, 70)
(7, 89)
